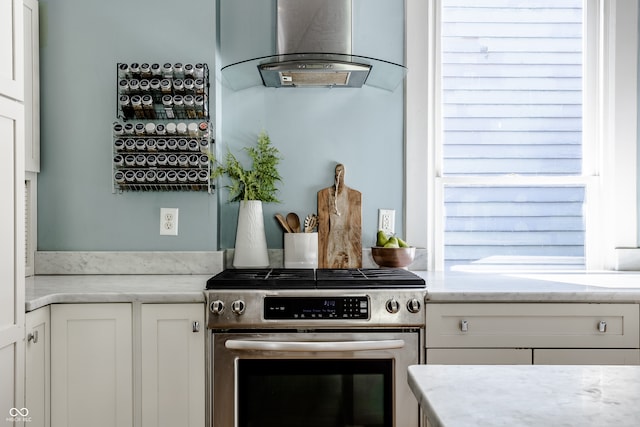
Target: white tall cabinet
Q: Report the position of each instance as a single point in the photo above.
(31, 23)
(12, 215)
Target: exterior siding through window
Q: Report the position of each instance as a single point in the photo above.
(512, 75)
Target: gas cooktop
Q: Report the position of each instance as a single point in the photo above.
(285, 278)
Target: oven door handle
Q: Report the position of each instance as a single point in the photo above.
(251, 345)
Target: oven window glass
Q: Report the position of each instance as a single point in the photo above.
(315, 393)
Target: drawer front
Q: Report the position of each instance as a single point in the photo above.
(533, 325)
(479, 356)
(582, 356)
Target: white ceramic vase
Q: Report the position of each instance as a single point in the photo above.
(251, 240)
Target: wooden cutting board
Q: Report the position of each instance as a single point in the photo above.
(339, 224)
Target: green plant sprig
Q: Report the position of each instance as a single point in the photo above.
(257, 183)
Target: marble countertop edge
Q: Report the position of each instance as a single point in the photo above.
(601, 287)
(113, 297)
(44, 290)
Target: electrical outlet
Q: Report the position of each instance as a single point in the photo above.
(387, 220)
(168, 221)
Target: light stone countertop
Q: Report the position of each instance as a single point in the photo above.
(522, 286)
(441, 287)
(181, 288)
(527, 395)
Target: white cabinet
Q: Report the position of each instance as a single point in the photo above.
(173, 365)
(12, 240)
(11, 49)
(127, 364)
(31, 86)
(38, 367)
(91, 365)
(499, 333)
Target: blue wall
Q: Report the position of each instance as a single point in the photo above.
(81, 42)
(316, 128)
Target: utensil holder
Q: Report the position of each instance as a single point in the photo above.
(300, 250)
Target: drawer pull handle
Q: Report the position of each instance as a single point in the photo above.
(196, 326)
(464, 325)
(32, 336)
(602, 326)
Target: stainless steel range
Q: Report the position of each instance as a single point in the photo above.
(314, 348)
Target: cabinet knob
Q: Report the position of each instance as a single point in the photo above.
(464, 325)
(196, 326)
(32, 336)
(602, 326)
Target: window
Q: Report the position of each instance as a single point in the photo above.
(519, 103)
(511, 110)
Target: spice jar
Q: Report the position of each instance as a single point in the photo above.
(178, 106)
(123, 71)
(145, 71)
(189, 107)
(147, 106)
(126, 107)
(189, 69)
(178, 71)
(167, 103)
(167, 70)
(135, 70)
(136, 102)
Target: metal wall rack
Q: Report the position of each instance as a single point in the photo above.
(161, 142)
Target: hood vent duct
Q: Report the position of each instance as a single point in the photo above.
(314, 49)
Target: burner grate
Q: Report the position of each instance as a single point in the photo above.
(281, 278)
(262, 278)
(368, 278)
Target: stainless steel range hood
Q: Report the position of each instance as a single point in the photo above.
(314, 49)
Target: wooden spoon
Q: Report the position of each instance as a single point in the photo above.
(283, 223)
(294, 222)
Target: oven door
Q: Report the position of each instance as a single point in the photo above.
(314, 379)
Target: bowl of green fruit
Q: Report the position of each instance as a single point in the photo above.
(392, 251)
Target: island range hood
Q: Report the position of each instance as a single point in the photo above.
(314, 49)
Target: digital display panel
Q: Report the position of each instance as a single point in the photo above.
(310, 308)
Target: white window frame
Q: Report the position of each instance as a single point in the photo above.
(610, 172)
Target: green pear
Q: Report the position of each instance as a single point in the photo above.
(402, 243)
(382, 238)
(392, 243)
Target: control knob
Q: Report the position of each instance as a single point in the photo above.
(217, 307)
(392, 306)
(413, 305)
(238, 307)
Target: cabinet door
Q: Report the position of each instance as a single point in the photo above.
(173, 365)
(31, 86)
(591, 356)
(11, 49)
(37, 367)
(11, 250)
(91, 365)
(479, 356)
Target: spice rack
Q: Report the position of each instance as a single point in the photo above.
(163, 136)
